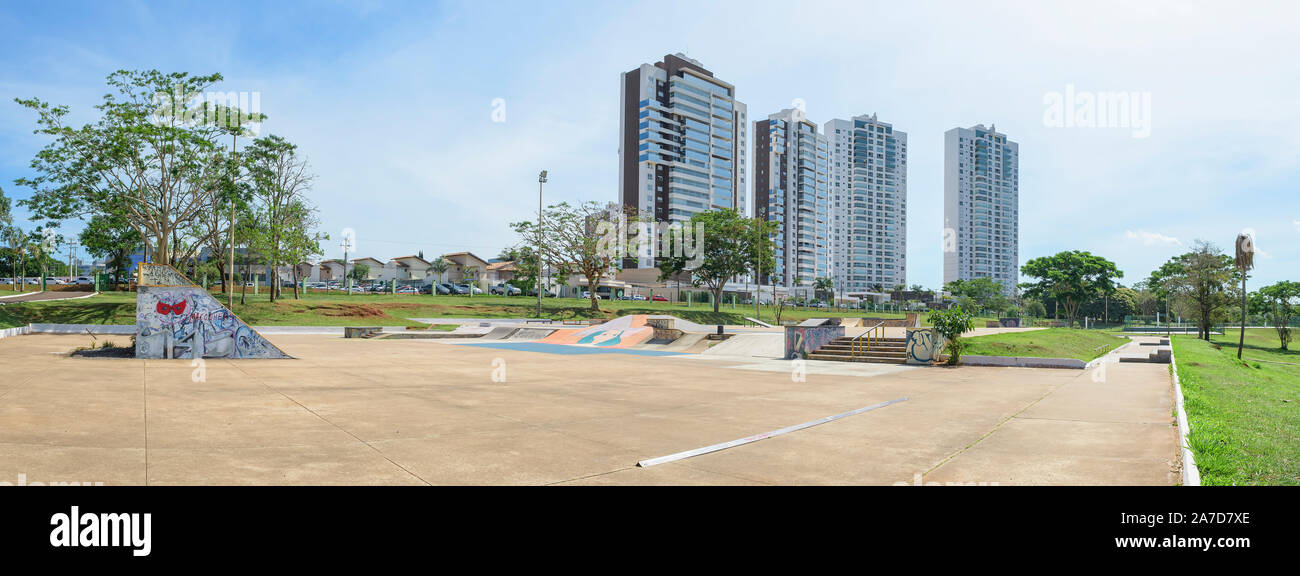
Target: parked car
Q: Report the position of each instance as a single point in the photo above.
(586, 295)
(407, 290)
(505, 289)
(658, 298)
(467, 289)
(83, 281)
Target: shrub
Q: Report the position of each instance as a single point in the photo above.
(951, 324)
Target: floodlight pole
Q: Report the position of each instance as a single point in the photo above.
(541, 179)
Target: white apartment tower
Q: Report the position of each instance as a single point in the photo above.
(681, 141)
(791, 188)
(868, 186)
(981, 206)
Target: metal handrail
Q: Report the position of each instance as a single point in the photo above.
(870, 336)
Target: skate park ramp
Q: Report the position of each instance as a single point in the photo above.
(621, 332)
(769, 345)
(176, 319)
(517, 333)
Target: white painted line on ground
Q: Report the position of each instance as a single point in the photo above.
(757, 437)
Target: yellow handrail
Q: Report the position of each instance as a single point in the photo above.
(871, 336)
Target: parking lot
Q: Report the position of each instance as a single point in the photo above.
(431, 412)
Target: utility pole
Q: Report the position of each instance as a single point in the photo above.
(72, 251)
(230, 268)
(346, 245)
(541, 179)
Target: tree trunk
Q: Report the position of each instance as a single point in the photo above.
(1241, 342)
(717, 298)
(295, 283)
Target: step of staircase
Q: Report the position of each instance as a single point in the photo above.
(863, 358)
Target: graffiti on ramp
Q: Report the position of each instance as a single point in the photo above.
(187, 322)
(621, 332)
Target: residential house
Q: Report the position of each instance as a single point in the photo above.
(460, 262)
(410, 268)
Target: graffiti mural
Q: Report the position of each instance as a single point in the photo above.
(157, 275)
(801, 340)
(923, 345)
(620, 332)
(187, 322)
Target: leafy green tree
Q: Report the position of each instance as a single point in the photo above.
(1280, 301)
(359, 272)
(280, 179)
(111, 236)
(6, 218)
(525, 276)
(1071, 278)
(1205, 279)
(300, 240)
(153, 160)
(732, 246)
(982, 293)
(578, 239)
(951, 324)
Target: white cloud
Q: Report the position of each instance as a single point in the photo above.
(1152, 238)
(1297, 225)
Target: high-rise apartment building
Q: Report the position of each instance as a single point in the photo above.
(681, 141)
(981, 206)
(791, 188)
(868, 189)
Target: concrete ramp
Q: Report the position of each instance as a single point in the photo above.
(751, 346)
(621, 332)
(499, 333)
(176, 319)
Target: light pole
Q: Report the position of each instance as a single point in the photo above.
(541, 179)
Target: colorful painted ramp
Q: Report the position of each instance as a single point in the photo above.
(176, 319)
(620, 332)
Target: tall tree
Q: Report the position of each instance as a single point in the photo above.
(111, 237)
(160, 162)
(1071, 278)
(280, 177)
(1205, 278)
(1280, 302)
(577, 239)
(732, 246)
(301, 240)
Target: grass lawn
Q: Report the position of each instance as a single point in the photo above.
(335, 309)
(1245, 416)
(106, 308)
(1084, 345)
(8, 292)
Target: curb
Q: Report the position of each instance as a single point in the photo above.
(1191, 474)
(20, 295)
(19, 331)
(1025, 362)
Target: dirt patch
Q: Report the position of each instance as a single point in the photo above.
(349, 311)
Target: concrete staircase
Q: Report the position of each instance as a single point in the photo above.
(882, 351)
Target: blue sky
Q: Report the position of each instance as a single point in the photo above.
(392, 103)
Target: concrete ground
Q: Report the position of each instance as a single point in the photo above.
(434, 412)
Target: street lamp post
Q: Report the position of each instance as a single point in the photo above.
(541, 179)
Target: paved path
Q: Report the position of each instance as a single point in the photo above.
(46, 295)
(432, 412)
